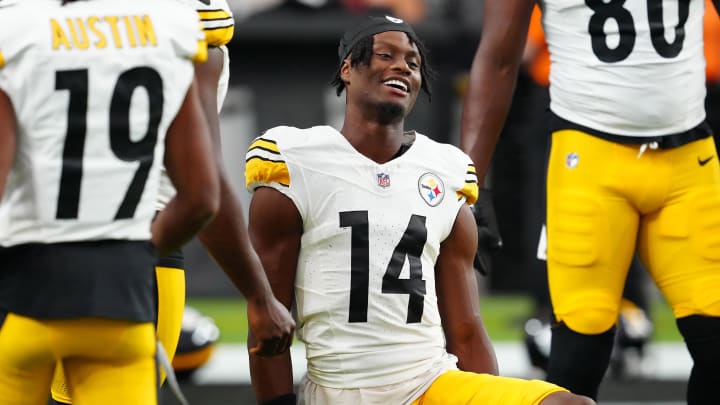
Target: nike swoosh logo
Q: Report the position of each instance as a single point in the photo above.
(205, 2)
(703, 162)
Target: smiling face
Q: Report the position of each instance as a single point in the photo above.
(390, 84)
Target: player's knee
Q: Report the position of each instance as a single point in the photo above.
(591, 321)
(566, 398)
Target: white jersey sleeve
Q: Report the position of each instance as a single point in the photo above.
(95, 86)
(633, 68)
(365, 284)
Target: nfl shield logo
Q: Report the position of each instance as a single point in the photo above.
(571, 160)
(383, 180)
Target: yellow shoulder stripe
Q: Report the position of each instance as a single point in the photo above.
(214, 15)
(201, 54)
(470, 192)
(219, 26)
(264, 144)
(219, 36)
(2, 60)
(263, 171)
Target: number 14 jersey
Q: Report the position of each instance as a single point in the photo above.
(365, 285)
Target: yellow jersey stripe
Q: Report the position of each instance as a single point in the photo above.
(219, 36)
(201, 54)
(219, 26)
(470, 191)
(260, 171)
(264, 144)
(207, 15)
(2, 60)
(471, 169)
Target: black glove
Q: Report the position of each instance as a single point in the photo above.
(489, 240)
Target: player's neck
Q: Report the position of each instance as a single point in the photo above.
(376, 141)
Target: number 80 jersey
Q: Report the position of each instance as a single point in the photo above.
(95, 86)
(633, 68)
(365, 284)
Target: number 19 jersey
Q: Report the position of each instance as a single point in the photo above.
(365, 284)
(95, 86)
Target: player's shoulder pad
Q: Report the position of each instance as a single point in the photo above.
(264, 162)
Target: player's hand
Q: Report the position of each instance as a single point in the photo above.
(489, 240)
(271, 325)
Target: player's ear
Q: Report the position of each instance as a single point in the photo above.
(345, 71)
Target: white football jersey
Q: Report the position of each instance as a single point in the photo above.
(95, 86)
(365, 285)
(219, 25)
(633, 68)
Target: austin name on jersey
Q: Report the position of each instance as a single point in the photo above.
(100, 32)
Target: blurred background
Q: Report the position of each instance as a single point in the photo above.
(283, 57)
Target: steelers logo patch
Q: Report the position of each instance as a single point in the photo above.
(431, 189)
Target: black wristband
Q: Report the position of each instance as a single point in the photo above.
(287, 399)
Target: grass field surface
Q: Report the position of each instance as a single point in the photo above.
(504, 316)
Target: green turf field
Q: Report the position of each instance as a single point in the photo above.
(503, 314)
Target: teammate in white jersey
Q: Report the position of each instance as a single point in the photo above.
(632, 164)
(225, 237)
(88, 92)
(367, 231)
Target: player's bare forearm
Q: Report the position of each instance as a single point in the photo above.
(190, 166)
(492, 78)
(458, 298)
(227, 241)
(178, 222)
(465, 331)
(271, 377)
(484, 111)
(226, 237)
(466, 337)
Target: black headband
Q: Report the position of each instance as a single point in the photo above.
(370, 25)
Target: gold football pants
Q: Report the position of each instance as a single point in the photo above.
(462, 388)
(171, 303)
(107, 361)
(603, 198)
